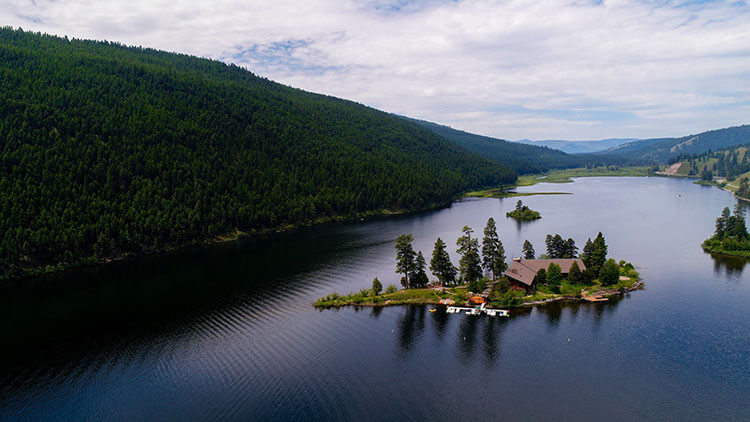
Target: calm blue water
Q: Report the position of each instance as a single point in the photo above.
(229, 333)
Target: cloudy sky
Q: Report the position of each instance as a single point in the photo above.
(540, 69)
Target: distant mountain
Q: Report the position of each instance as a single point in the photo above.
(523, 158)
(580, 147)
(107, 150)
(659, 150)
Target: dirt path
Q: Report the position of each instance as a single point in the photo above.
(671, 170)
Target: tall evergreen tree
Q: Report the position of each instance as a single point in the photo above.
(419, 278)
(493, 253)
(470, 262)
(528, 250)
(739, 228)
(441, 265)
(571, 250)
(586, 255)
(722, 222)
(575, 276)
(405, 258)
(598, 255)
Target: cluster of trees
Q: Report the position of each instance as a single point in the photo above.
(728, 163)
(731, 225)
(660, 150)
(743, 191)
(472, 263)
(523, 212)
(557, 247)
(731, 233)
(593, 256)
(108, 150)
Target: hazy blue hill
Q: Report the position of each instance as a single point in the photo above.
(662, 149)
(580, 147)
(107, 149)
(521, 157)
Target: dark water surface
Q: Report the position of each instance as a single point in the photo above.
(229, 333)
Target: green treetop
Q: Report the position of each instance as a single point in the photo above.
(610, 273)
(441, 265)
(405, 257)
(470, 261)
(575, 276)
(493, 252)
(554, 275)
(419, 278)
(377, 286)
(528, 250)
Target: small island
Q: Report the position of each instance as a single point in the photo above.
(523, 213)
(484, 278)
(731, 236)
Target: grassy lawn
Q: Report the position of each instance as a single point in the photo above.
(564, 176)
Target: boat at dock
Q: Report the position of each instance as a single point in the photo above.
(478, 310)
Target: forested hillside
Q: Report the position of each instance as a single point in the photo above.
(107, 149)
(522, 158)
(579, 147)
(729, 168)
(660, 150)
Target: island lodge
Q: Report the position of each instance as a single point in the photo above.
(522, 272)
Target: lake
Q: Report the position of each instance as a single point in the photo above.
(228, 332)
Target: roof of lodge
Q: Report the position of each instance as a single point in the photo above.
(524, 270)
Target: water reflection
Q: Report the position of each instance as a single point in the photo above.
(410, 328)
(479, 338)
(728, 266)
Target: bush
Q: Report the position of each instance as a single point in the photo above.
(575, 276)
(554, 275)
(478, 286)
(610, 273)
(510, 298)
(391, 289)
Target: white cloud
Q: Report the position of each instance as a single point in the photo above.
(511, 69)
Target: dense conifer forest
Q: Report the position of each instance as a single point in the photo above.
(659, 150)
(521, 157)
(107, 149)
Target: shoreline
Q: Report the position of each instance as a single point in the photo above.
(236, 235)
(551, 176)
(610, 292)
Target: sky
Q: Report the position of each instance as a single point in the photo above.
(537, 69)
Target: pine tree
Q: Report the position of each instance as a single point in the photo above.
(571, 250)
(419, 278)
(739, 228)
(575, 276)
(493, 253)
(441, 265)
(405, 256)
(721, 223)
(528, 250)
(377, 286)
(470, 261)
(598, 255)
(586, 255)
